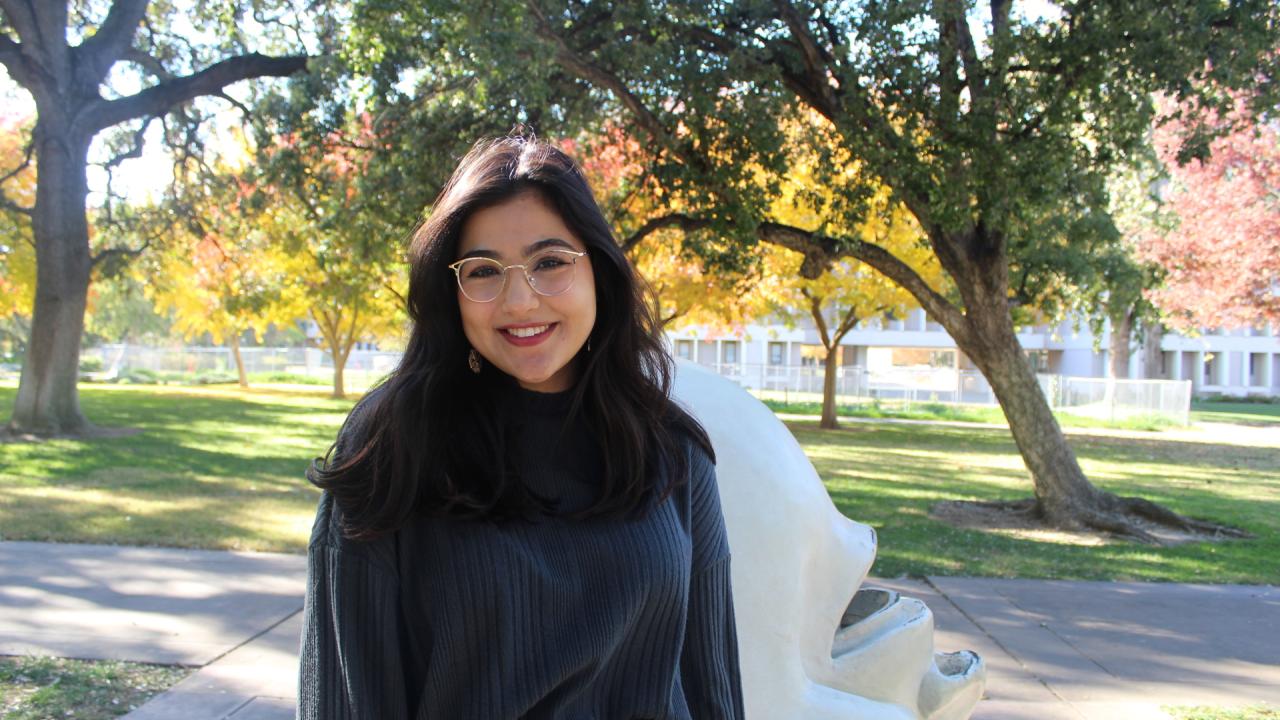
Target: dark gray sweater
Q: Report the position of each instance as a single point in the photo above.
(600, 619)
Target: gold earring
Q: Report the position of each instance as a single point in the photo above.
(473, 361)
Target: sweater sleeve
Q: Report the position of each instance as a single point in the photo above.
(709, 670)
(351, 665)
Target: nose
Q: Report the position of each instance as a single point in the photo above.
(518, 295)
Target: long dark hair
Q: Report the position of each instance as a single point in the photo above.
(431, 439)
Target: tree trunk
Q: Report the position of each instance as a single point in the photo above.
(1063, 493)
(1121, 342)
(829, 389)
(339, 368)
(1064, 497)
(235, 353)
(48, 401)
(1152, 354)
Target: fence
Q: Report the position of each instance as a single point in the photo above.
(1102, 398)
(363, 366)
(1095, 397)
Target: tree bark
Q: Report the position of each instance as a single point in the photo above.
(47, 401)
(828, 420)
(1152, 354)
(235, 353)
(1121, 345)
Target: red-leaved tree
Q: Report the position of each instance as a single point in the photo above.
(1222, 255)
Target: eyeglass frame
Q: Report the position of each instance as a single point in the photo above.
(456, 267)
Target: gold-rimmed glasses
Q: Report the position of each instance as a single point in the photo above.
(549, 272)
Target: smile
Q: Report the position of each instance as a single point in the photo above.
(528, 335)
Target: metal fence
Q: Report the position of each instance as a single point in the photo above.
(1101, 398)
(363, 366)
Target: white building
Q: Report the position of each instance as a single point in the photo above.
(916, 352)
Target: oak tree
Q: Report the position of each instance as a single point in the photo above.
(67, 55)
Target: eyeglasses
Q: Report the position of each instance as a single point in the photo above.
(550, 272)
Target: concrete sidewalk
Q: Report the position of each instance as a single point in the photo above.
(1070, 650)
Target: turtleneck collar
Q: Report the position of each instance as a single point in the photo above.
(545, 404)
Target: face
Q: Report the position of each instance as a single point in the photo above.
(813, 643)
(533, 338)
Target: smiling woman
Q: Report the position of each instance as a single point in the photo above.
(531, 328)
(520, 522)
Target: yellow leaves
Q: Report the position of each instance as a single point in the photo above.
(17, 254)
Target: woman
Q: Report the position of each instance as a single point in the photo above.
(519, 522)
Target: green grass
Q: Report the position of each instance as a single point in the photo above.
(1238, 413)
(37, 688)
(962, 413)
(890, 475)
(1253, 712)
(211, 468)
(220, 468)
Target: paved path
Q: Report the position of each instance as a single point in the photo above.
(1054, 650)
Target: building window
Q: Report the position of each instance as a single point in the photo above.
(684, 349)
(777, 353)
(729, 352)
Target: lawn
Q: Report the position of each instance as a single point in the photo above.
(217, 468)
(211, 468)
(951, 412)
(889, 475)
(1254, 413)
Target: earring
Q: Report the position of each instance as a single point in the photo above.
(473, 361)
(588, 344)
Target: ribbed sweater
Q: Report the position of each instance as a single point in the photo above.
(559, 619)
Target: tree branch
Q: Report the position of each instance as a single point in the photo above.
(821, 250)
(147, 62)
(680, 220)
(815, 311)
(120, 252)
(598, 76)
(817, 60)
(95, 56)
(158, 99)
(135, 148)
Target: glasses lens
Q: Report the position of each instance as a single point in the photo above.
(552, 271)
(481, 279)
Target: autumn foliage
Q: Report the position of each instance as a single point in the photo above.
(1222, 256)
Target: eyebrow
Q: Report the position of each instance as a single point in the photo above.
(529, 249)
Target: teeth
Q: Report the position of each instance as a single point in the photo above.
(528, 331)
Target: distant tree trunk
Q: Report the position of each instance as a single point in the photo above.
(1152, 354)
(339, 342)
(1121, 341)
(47, 401)
(831, 344)
(235, 353)
(829, 388)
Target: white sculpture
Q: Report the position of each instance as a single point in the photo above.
(813, 646)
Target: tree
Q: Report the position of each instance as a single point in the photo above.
(995, 129)
(848, 292)
(335, 239)
(1220, 251)
(683, 292)
(220, 274)
(70, 84)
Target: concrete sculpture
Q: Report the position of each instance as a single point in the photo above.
(814, 644)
